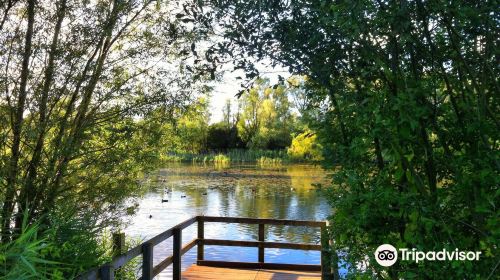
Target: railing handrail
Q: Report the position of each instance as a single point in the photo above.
(122, 259)
(106, 271)
(265, 221)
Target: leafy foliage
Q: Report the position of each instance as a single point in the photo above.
(80, 81)
(305, 147)
(403, 97)
(222, 137)
(265, 121)
(28, 257)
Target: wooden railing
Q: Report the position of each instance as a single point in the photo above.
(106, 272)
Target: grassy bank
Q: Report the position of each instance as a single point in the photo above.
(263, 157)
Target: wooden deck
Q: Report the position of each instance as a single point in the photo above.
(196, 272)
(220, 270)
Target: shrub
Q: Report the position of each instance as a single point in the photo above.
(305, 147)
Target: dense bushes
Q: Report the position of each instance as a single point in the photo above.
(222, 137)
(59, 252)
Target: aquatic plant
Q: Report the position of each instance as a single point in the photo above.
(234, 156)
(265, 161)
(220, 158)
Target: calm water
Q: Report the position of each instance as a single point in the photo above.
(286, 192)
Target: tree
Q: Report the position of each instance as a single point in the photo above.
(222, 138)
(403, 100)
(75, 78)
(192, 127)
(226, 113)
(265, 121)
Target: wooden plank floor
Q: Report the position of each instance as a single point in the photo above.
(196, 272)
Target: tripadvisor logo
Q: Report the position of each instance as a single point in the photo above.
(387, 255)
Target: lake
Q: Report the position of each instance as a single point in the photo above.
(280, 192)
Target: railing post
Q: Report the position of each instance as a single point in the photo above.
(106, 272)
(201, 237)
(176, 262)
(147, 261)
(261, 246)
(327, 271)
(118, 243)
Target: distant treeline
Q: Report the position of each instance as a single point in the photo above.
(266, 123)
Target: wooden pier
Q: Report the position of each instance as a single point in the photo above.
(197, 272)
(208, 269)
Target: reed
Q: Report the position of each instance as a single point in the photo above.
(220, 158)
(265, 161)
(232, 156)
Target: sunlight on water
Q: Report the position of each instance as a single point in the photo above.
(285, 192)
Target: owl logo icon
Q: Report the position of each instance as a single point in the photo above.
(386, 255)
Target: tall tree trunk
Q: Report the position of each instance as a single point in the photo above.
(29, 193)
(17, 125)
(80, 120)
(8, 7)
(340, 118)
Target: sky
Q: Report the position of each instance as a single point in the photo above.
(229, 86)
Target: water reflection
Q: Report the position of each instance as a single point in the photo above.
(285, 192)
